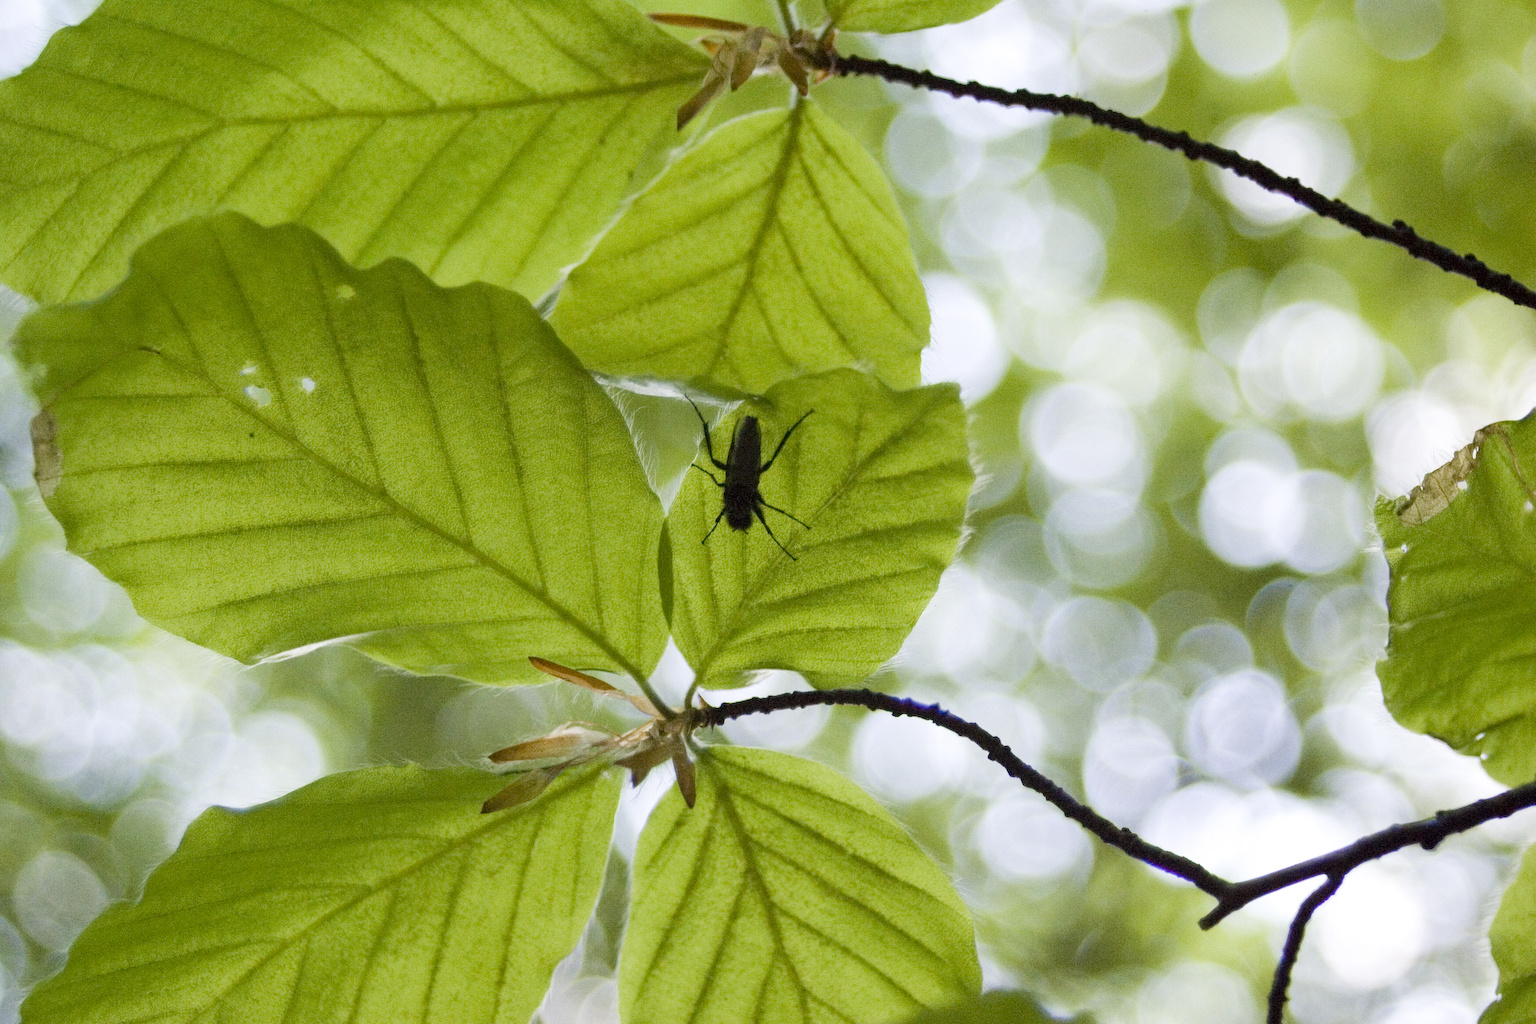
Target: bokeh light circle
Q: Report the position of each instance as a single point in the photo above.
(1084, 435)
(1240, 729)
(1305, 143)
(964, 347)
(1311, 360)
(1401, 29)
(56, 895)
(1128, 767)
(925, 158)
(1240, 38)
(1100, 643)
(1021, 837)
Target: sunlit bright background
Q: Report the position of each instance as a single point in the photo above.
(1170, 602)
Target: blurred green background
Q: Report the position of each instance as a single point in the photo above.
(1185, 395)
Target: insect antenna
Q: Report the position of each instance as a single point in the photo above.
(782, 441)
(742, 473)
(709, 446)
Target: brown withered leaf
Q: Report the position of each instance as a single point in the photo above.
(685, 780)
(47, 460)
(739, 50)
(1440, 486)
(524, 788)
(594, 684)
(563, 742)
(749, 50)
(794, 69)
(699, 21)
(640, 749)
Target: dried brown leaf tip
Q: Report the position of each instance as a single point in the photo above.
(539, 761)
(738, 50)
(47, 460)
(1441, 486)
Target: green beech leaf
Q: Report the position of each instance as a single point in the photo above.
(1513, 937)
(787, 894)
(270, 449)
(902, 15)
(987, 1008)
(381, 895)
(772, 250)
(1462, 599)
(881, 479)
(480, 139)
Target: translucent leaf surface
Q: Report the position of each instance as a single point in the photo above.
(381, 895)
(881, 479)
(772, 250)
(480, 139)
(987, 1008)
(1513, 936)
(787, 895)
(1462, 602)
(902, 15)
(270, 449)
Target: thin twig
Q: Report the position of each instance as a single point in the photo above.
(996, 750)
(1397, 233)
(1428, 833)
(1229, 896)
(1287, 963)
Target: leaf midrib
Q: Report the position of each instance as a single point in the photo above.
(388, 882)
(731, 623)
(387, 499)
(218, 124)
(384, 883)
(380, 495)
(753, 875)
(775, 189)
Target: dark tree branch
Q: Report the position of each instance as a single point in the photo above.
(1397, 233)
(1282, 981)
(1230, 896)
(996, 750)
(1428, 833)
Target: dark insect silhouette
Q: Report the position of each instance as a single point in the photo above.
(741, 499)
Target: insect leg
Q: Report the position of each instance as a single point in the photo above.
(708, 445)
(717, 480)
(717, 523)
(764, 467)
(759, 511)
(780, 511)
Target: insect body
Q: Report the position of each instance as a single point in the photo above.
(740, 498)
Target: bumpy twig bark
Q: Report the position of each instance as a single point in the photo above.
(1229, 896)
(1397, 233)
(1287, 964)
(1107, 831)
(1428, 833)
